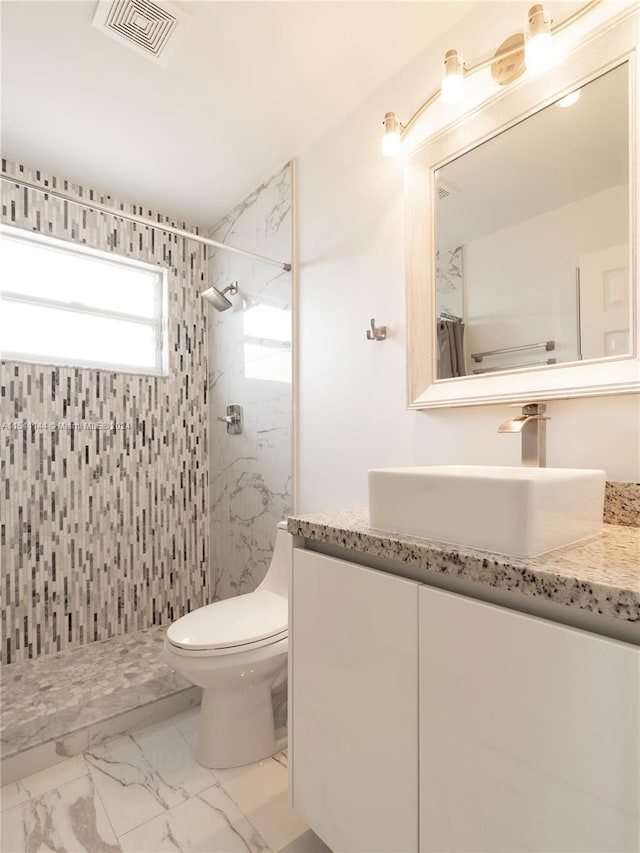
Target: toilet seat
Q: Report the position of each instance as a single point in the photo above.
(235, 624)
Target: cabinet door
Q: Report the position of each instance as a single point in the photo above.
(528, 732)
(354, 692)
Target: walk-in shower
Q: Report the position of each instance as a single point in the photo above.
(217, 297)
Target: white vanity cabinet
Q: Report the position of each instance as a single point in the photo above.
(423, 720)
(353, 720)
(528, 732)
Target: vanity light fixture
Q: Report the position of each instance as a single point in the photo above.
(538, 46)
(391, 137)
(532, 51)
(452, 77)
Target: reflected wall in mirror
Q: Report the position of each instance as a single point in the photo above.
(523, 234)
(532, 238)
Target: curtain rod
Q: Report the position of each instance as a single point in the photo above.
(140, 220)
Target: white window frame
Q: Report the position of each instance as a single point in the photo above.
(158, 322)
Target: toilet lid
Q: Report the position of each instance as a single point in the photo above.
(235, 621)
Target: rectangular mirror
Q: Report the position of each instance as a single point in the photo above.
(522, 279)
(532, 238)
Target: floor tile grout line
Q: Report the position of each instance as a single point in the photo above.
(106, 810)
(165, 809)
(184, 736)
(138, 825)
(237, 804)
(130, 829)
(165, 812)
(216, 783)
(268, 848)
(175, 725)
(245, 816)
(49, 789)
(199, 795)
(58, 787)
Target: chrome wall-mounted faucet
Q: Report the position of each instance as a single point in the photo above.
(233, 419)
(533, 427)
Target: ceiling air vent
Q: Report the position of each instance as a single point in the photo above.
(445, 190)
(149, 28)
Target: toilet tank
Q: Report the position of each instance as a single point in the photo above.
(277, 578)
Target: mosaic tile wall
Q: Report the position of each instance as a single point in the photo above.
(104, 532)
(250, 364)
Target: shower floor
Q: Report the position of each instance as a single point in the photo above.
(57, 706)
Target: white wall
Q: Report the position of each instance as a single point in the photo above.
(531, 296)
(351, 412)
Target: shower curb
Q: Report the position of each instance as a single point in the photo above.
(31, 759)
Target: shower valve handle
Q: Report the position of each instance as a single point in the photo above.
(233, 419)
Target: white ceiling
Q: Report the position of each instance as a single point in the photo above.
(252, 85)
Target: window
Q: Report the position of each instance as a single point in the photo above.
(69, 305)
(267, 343)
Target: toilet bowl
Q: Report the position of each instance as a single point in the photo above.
(236, 650)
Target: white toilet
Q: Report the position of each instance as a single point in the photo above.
(236, 650)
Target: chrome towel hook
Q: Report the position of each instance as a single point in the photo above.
(376, 333)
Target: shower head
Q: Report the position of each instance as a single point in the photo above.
(217, 297)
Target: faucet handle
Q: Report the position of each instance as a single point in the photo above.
(530, 423)
(532, 410)
(233, 419)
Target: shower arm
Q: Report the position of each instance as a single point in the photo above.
(140, 220)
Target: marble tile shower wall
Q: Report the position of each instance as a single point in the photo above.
(104, 533)
(250, 364)
(449, 282)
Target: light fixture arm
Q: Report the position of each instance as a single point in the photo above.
(486, 63)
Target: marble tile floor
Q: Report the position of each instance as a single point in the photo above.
(60, 705)
(143, 792)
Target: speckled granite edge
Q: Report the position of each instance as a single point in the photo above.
(622, 504)
(601, 575)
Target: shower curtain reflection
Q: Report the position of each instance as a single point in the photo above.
(450, 337)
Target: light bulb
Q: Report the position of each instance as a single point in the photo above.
(453, 78)
(391, 142)
(538, 53)
(538, 47)
(451, 89)
(570, 99)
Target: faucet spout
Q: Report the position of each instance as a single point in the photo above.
(531, 424)
(514, 424)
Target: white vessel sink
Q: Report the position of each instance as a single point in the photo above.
(518, 512)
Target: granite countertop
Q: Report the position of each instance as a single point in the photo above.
(601, 574)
